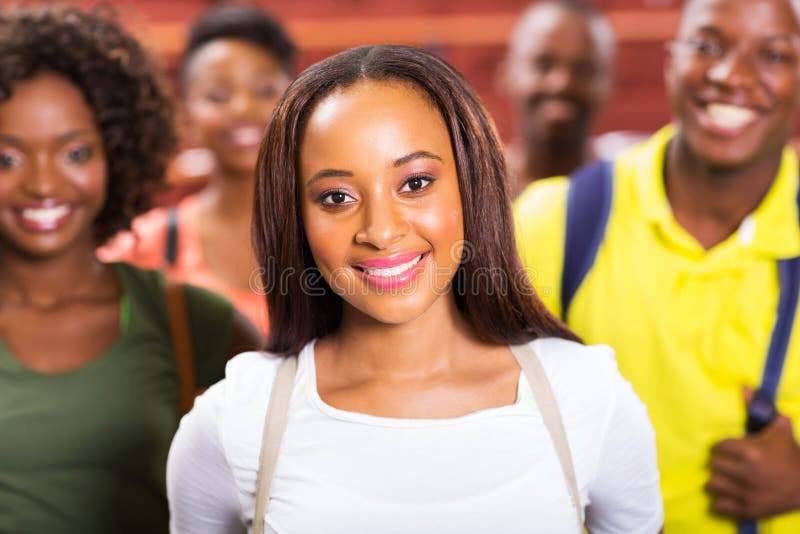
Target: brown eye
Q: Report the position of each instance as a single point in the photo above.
(79, 154)
(705, 47)
(773, 57)
(416, 183)
(9, 161)
(544, 64)
(217, 97)
(335, 198)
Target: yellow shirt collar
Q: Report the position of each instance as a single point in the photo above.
(773, 229)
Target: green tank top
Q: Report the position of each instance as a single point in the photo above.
(85, 451)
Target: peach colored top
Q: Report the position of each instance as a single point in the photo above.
(145, 247)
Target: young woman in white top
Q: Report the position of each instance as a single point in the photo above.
(383, 226)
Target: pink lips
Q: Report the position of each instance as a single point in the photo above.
(390, 261)
(392, 282)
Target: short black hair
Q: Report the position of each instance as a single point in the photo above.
(122, 85)
(600, 27)
(248, 23)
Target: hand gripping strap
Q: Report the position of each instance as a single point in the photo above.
(588, 207)
(762, 408)
(274, 427)
(546, 400)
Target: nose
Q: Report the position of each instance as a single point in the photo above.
(241, 104)
(384, 224)
(734, 69)
(41, 177)
(559, 79)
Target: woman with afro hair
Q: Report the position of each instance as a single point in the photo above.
(89, 380)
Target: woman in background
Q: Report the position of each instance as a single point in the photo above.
(236, 66)
(383, 224)
(89, 386)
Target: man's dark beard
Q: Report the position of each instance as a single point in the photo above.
(568, 133)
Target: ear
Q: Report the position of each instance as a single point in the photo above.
(607, 85)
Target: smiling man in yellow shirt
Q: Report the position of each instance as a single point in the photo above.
(684, 284)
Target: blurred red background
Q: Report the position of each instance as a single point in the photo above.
(471, 34)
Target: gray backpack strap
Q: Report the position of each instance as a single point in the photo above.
(274, 427)
(546, 400)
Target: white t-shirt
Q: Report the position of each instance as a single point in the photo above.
(494, 470)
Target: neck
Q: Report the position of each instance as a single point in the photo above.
(711, 202)
(48, 282)
(543, 160)
(229, 195)
(421, 347)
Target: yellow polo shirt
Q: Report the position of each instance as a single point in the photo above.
(690, 326)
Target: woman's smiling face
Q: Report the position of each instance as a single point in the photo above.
(53, 174)
(380, 199)
(232, 87)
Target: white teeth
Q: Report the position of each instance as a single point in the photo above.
(394, 271)
(46, 215)
(728, 116)
(248, 135)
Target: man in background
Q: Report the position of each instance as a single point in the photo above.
(557, 75)
(690, 268)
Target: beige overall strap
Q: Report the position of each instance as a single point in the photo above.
(543, 394)
(274, 426)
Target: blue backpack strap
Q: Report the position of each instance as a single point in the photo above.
(171, 244)
(762, 408)
(588, 207)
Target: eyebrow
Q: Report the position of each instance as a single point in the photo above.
(788, 38)
(10, 140)
(75, 133)
(415, 155)
(328, 173)
(717, 32)
(399, 162)
(63, 138)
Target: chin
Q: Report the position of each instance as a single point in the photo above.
(392, 311)
(241, 166)
(722, 154)
(724, 160)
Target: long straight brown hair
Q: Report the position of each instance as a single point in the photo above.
(491, 288)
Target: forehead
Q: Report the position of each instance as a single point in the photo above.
(45, 104)
(766, 18)
(370, 119)
(553, 29)
(222, 56)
